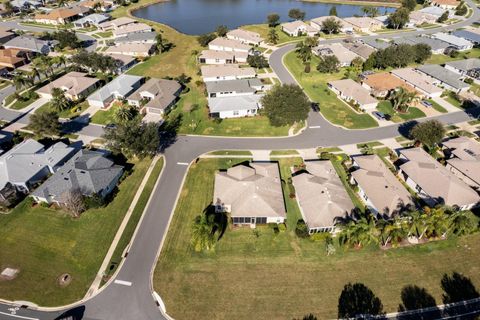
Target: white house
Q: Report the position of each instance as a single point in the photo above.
(222, 57)
(297, 28)
(234, 106)
(353, 92)
(226, 72)
(458, 43)
(244, 36)
(225, 44)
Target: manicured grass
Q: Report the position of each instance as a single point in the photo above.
(450, 98)
(370, 144)
(413, 113)
(73, 112)
(20, 104)
(283, 152)
(315, 86)
(280, 276)
(105, 116)
(231, 152)
(263, 30)
(437, 107)
(106, 34)
(46, 243)
(135, 217)
(329, 149)
(441, 58)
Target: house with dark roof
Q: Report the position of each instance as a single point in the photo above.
(156, 95)
(468, 35)
(138, 37)
(119, 88)
(444, 77)
(30, 43)
(88, 172)
(93, 19)
(466, 68)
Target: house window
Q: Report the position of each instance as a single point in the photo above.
(235, 113)
(417, 187)
(261, 220)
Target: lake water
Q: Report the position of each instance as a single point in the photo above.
(203, 16)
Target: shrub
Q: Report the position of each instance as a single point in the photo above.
(468, 80)
(282, 227)
(320, 236)
(301, 230)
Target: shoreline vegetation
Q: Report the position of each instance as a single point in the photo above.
(357, 3)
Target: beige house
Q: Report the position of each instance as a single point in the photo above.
(222, 57)
(155, 95)
(364, 24)
(317, 23)
(75, 85)
(378, 187)
(464, 159)
(360, 49)
(252, 194)
(417, 18)
(352, 92)
(434, 183)
(419, 81)
(61, 15)
(343, 55)
(225, 44)
(321, 196)
(226, 72)
(445, 4)
(244, 36)
(381, 84)
(132, 49)
(116, 23)
(297, 28)
(130, 28)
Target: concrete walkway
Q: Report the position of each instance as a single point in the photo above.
(98, 279)
(445, 104)
(350, 149)
(260, 155)
(392, 144)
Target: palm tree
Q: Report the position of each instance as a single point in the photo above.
(34, 74)
(370, 11)
(272, 36)
(460, 223)
(59, 100)
(311, 41)
(401, 99)
(359, 233)
(124, 114)
(160, 42)
(62, 60)
(416, 224)
(202, 236)
(19, 81)
(304, 53)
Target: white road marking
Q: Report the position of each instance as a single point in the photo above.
(314, 127)
(16, 316)
(182, 163)
(123, 283)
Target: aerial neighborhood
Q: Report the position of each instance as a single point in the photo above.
(162, 148)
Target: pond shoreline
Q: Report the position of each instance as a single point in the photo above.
(356, 3)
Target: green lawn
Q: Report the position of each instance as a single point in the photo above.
(106, 34)
(315, 85)
(450, 97)
(46, 243)
(69, 113)
(263, 30)
(20, 104)
(231, 152)
(413, 113)
(280, 276)
(105, 117)
(437, 107)
(441, 58)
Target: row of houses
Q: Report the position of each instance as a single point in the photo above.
(48, 174)
(81, 13)
(252, 193)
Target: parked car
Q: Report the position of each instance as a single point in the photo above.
(379, 115)
(426, 103)
(315, 107)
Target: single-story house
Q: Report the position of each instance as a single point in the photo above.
(132, 49)
(156, 95)
(104, 6)
(317, 23)
(93, 19)
(30, 43)
(377, 44)
(444, 77)
(244, 36)
(437, 46)
(381, 84)
(28, 163)
(226, 72)
(466, 68)
(138, 37)
(297, 28)
(418, 18)
(434, 183)
(252, 194)
(358, 48)
(455, 42)
(88, 172)
(6, 34)
(434, 11)
(384, 20)
(364, 24)
(222, 57)
(116, 23)
(225, 44)
(418, 80)
(343, 55)
(321, 196)
(445, 4)
(234, 87)
(125, 30)
(119, 88)
(25, 4)
(12, 58)
(75, 85)
(464, 159)
(473, 37)
(62, 15)
(352, 92)
(378, 187)
(234, 106)
(123, 62)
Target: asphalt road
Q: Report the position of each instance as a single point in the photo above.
(132, 297)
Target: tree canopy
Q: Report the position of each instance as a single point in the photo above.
(443, 17)
(65, 38)
(221, 30)
(358, 299)
(273, 19)
(398, 56)
(331, 25)
(204, 39)
(399, 18)
(328, 64)
(333, 11)
(409, 4)
(257, 61)
(59, 101)
(94, 62)
(430, 132)
(45, 123)
(285, 105)
(296, 14)
(272, 36)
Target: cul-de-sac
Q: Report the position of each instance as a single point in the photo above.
(239, 159)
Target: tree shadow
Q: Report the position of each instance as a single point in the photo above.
(414, 298)
(220, 220)
(169, 130)
(359, 302)
(76, 313)
(405, 128)
(458, 288)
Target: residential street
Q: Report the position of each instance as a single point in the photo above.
(129, 295)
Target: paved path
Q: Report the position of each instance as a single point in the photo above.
(447, 105)
(129, 296)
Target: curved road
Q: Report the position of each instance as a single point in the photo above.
(135, 301)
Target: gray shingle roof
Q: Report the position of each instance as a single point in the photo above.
(121, 86)
(137, 37)
(468, 35)
(94, 18)
(239, 86)
(88, 171)
(435, 44)
(222, 104)
(440, 73)
(29, 43)
(465, 65)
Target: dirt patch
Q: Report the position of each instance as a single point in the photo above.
(9, 273)
(64, 280)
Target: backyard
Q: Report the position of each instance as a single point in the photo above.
(44, 243)
(332, 108)
(280, 276)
